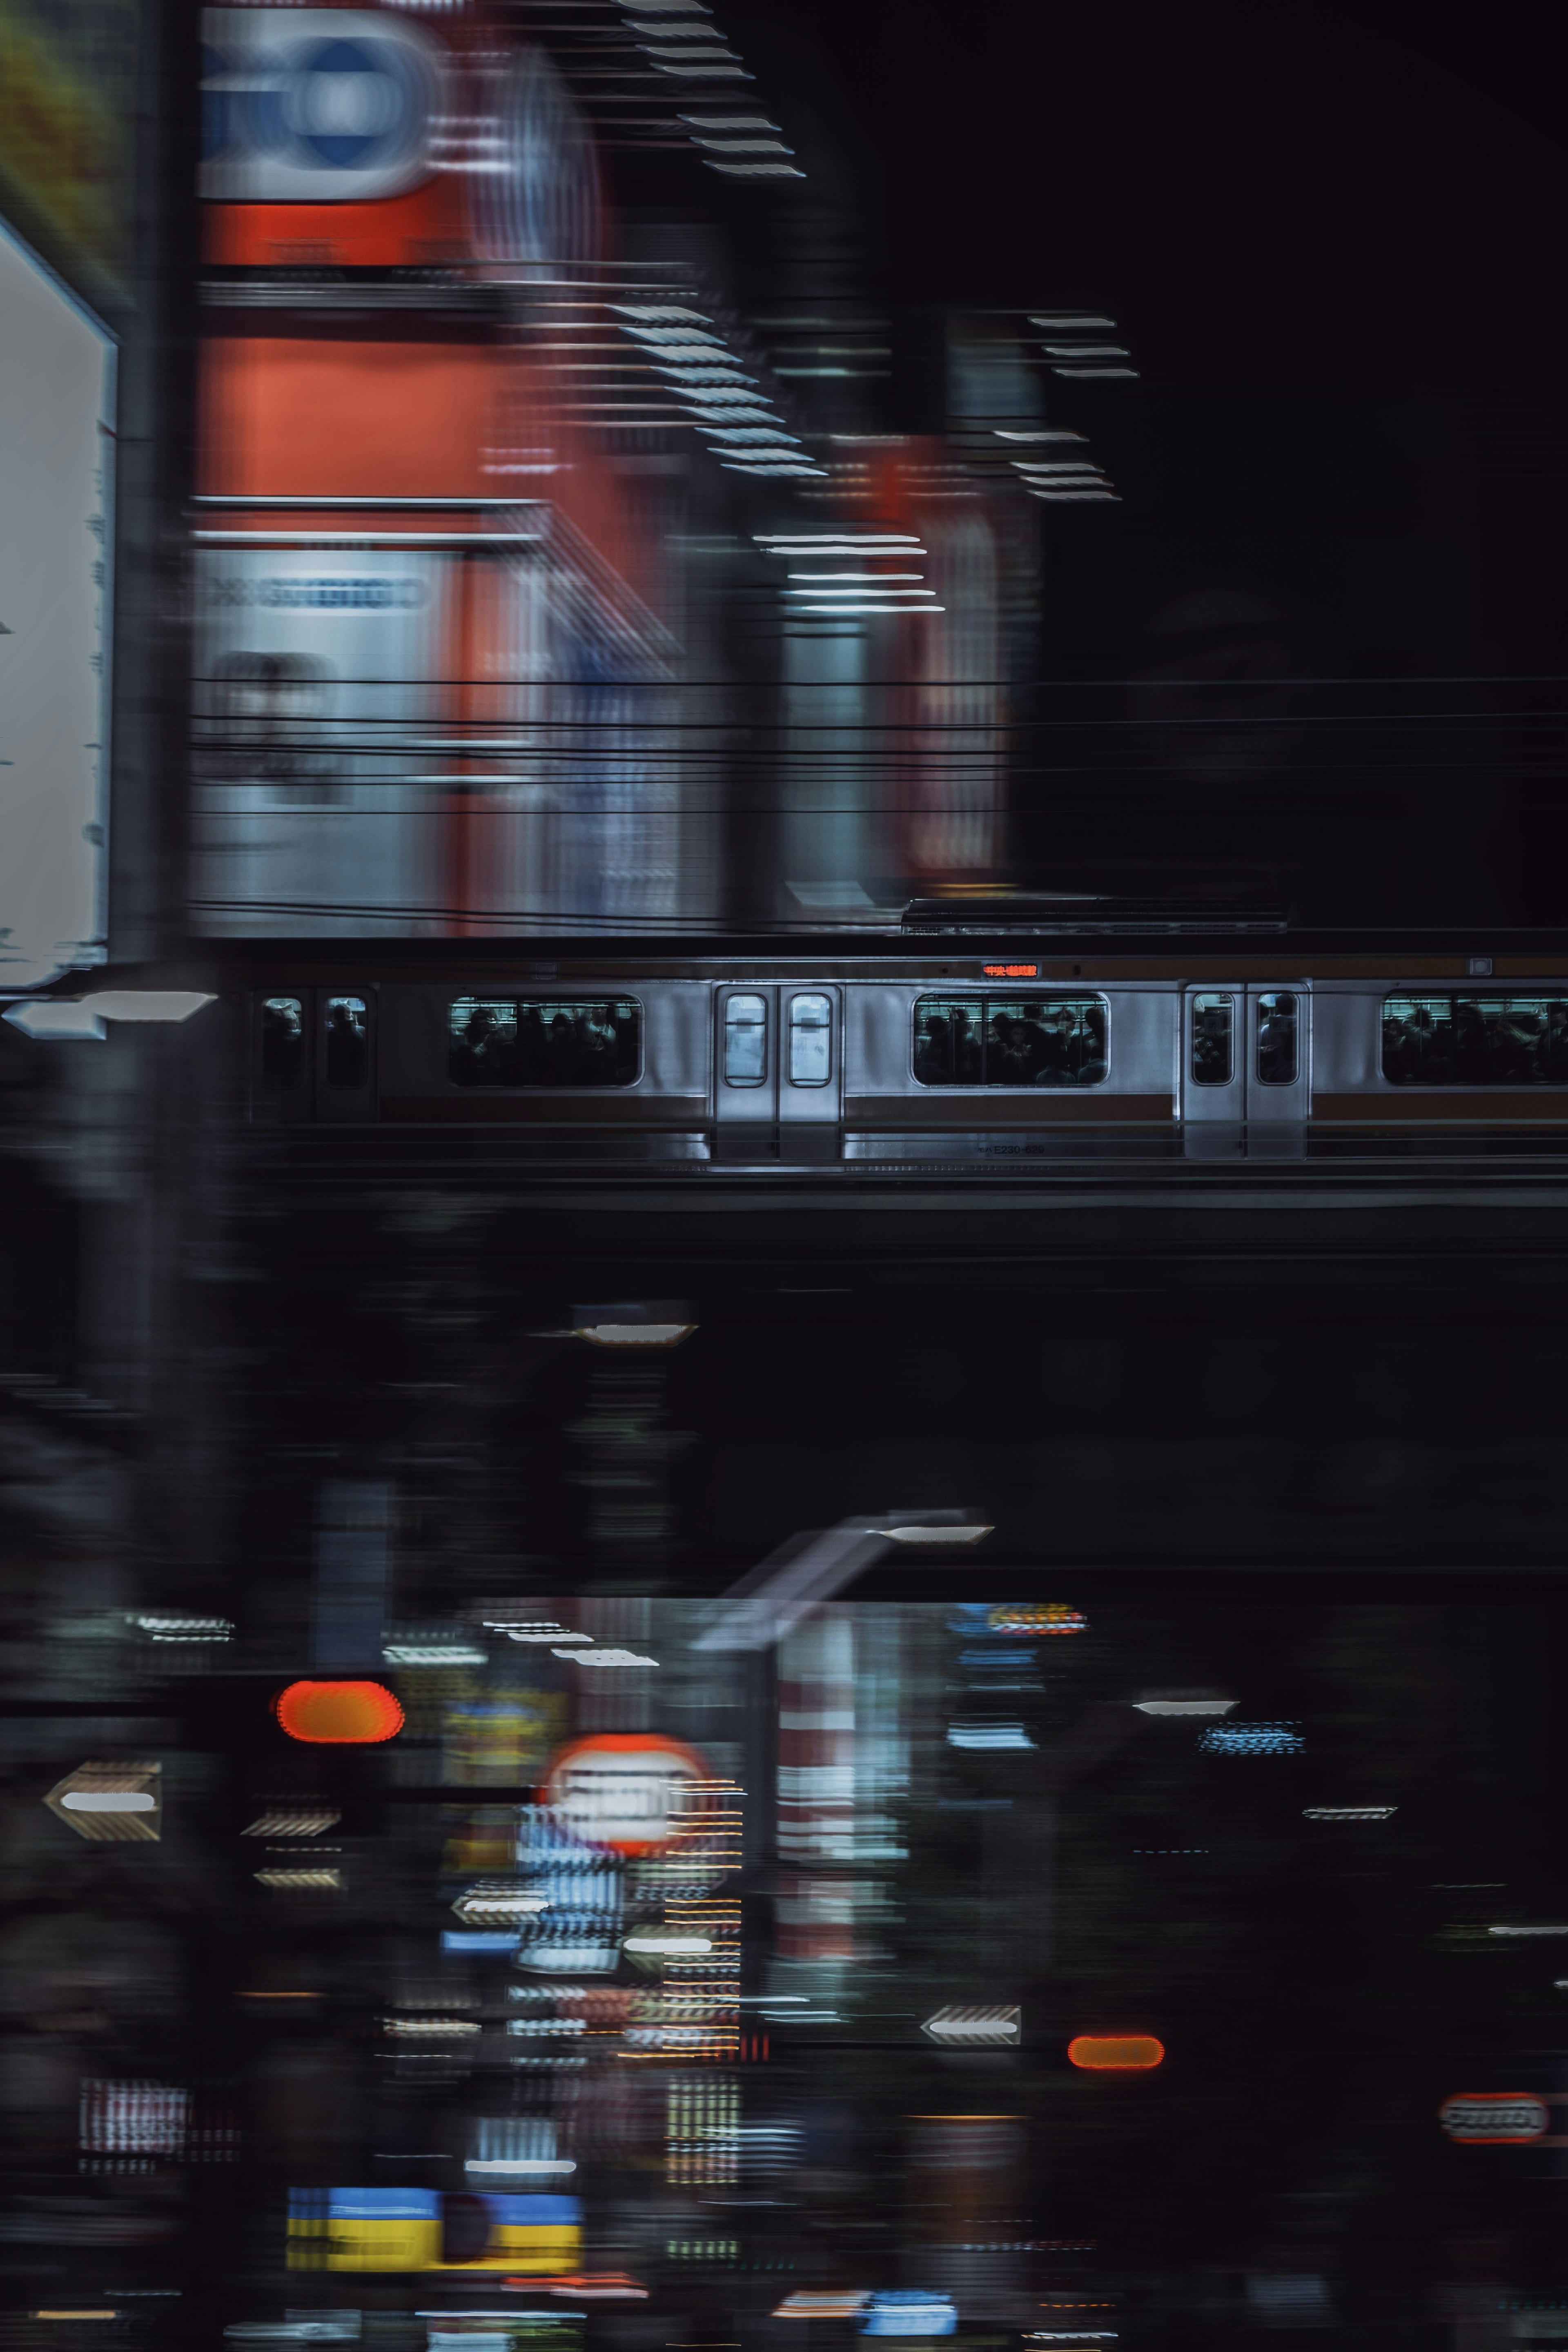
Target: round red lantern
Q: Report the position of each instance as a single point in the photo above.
(339, 1715)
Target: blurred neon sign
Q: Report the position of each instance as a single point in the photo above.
(630, 1791)
(1498, 2116)
(1118, 2053)
(1044, 1617)
(339, 1715)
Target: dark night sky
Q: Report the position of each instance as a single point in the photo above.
(1357, 211)
(1333, 238)
(1274, 193)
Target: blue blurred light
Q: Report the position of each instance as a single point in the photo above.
(902, 2312)
(1252, 1739)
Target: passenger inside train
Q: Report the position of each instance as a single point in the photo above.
(1212, 1023)
(1035, 1041)
(1278, 1059)
(348, 1041)
(282, 1041)
(1434, 1041)
(509, 1042)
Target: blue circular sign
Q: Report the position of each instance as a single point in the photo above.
(343, 105)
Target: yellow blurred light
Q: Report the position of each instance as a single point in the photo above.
(1116, 2053)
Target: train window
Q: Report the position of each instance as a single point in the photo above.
(1455, 1041)
(1278, 1055)
(544, 1041)
(810, 1041)
(745, 1041)
(348, 1041)
(1011, 1041)
(282, 1041)
(1214, 1056)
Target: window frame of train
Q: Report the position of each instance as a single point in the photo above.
(982, 1007)
(515, 1076)
(1440, 1068)
(795, 1105)
(313, 1078)
(1266, 1082)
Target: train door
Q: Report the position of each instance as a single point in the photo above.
(746, 1073)
(811, 1066)
(1278, 1068)
(778, 1071)
(313, 1055)
(282, 1060)
(1246, 1067)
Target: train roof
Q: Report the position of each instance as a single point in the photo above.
(1122, 934)
(1109, 939)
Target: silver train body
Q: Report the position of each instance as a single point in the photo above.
(939, 1054)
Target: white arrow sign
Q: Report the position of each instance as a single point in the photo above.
(110, 1801)
(497, 1906)
(993, 2027)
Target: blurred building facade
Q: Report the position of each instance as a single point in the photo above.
(529, 590)
(497, 554)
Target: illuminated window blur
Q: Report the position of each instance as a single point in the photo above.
(1446, 1041)
(269, 710)
(544, 1042)
(1011, 1041)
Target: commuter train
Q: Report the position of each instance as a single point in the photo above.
(911, 1047)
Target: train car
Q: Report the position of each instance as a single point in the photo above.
(911, 1050)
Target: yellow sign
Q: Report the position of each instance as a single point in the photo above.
(67, 110)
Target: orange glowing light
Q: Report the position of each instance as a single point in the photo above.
(339, 1715)
(606, 2286)
(1011, 970)
(1121, 2053)
(1036, 1617)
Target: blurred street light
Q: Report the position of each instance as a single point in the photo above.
(812, 1568)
